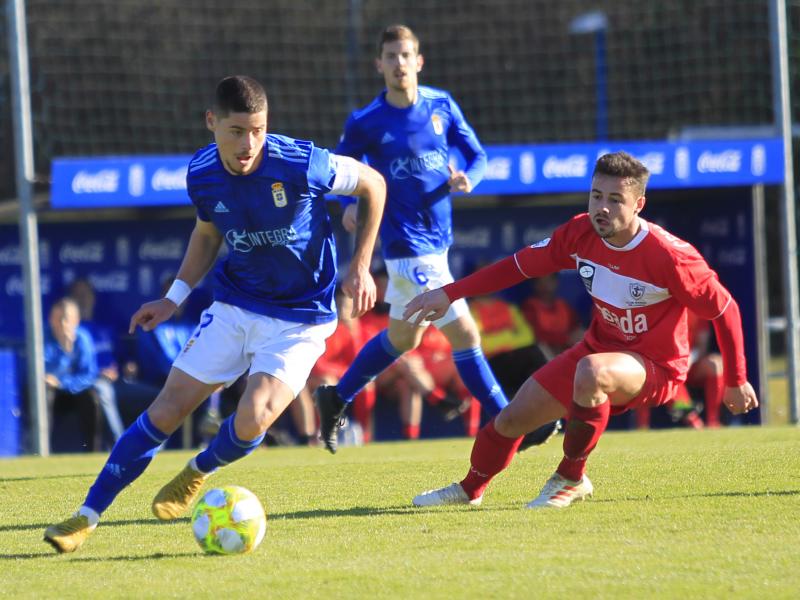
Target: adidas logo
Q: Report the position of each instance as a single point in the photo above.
(221, 208)
(387, 137)
(115, 470)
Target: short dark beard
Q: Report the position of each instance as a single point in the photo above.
(603, 236)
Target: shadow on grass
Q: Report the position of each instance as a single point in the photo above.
(154, 556)
(28, 555)
(118, 523)
(355, 511)
(709, 495)
(373, 511)
(43, 477)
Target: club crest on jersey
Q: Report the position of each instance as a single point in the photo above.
(586, 271)
(279, 195)
(636, 290)
(438, 126)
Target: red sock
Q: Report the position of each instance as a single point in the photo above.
(411, 432)
(714, 390)
(584, 428)
(491, 453)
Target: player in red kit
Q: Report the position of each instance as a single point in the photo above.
(635, 353)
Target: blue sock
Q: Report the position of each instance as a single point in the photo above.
(129, 457)
(225, 448)
(376, 355)
(480, 380)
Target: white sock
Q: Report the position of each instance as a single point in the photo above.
(194, 467)
(90, 514)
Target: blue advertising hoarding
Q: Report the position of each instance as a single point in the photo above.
(127, 260)
(532, 169)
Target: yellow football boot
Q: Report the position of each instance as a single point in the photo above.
(175, 498)
(69, 535)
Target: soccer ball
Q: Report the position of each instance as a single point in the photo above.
(229, 520)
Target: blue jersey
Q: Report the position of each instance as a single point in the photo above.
(410, 147)
(76, 370)
(281, 259)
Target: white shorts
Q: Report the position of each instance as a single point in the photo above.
(409, 277)
(230, 339)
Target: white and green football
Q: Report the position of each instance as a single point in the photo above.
(229, 520)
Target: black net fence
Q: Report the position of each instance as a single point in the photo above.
(135, 76)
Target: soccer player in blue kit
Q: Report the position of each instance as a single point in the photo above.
(406, 133)
(263, 195)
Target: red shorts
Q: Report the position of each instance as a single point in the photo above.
(558, 376)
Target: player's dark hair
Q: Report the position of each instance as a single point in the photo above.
(394, 33)
(239, 94)
(623, 165)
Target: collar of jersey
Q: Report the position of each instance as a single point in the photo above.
(644, 229)
(393, 107)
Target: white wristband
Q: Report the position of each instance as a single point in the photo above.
(178, 292)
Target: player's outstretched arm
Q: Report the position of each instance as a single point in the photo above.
(739, 395)
(200, 256)
(358, 283)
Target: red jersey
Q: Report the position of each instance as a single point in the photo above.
(640, 291)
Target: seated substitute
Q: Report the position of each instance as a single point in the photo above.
(70, 366)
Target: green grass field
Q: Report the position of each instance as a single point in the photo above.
(677, 513)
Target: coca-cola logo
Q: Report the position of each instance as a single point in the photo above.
(114, 281)
(169, 249)
(15, 286)
(498, 168)
(654, 161)
(88, 252)
(101, 182)
(729, 161)
(476, 237)
(169, 179)
(715, 227)
(10, 255)
(575, 165)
